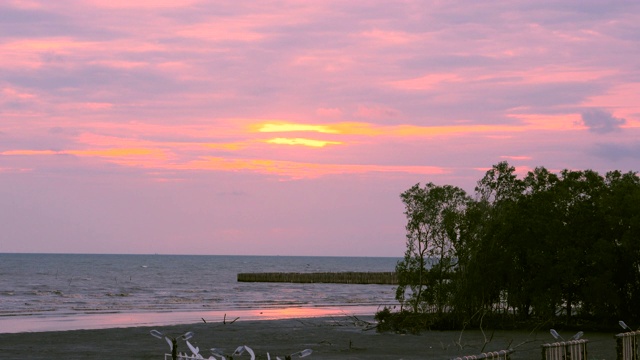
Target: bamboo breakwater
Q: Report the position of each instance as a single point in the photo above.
(383, 278)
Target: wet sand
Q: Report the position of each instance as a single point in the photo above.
(345, 337)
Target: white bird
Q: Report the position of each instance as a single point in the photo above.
(577, 336)
(217, 352)
(159, 335)
(624, 326)
(186, 336)
(241, 349)
(303, 353)
(555, 334)
(195, 350)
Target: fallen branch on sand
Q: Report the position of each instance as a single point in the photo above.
(224, 319)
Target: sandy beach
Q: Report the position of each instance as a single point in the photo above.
(345, 337)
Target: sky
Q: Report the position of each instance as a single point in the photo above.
(292, 127)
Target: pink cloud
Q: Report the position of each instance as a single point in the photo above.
(298, 170)
(376, 112)
(388, 38)
(426, 82)
(141, 4)
(329, 112)
(12, 94)
(180, 99)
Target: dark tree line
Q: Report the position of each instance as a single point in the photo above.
(548, 246)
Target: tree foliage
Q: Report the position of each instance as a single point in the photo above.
(548, 246)
(434, 216)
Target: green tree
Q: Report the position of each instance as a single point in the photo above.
(434, 216)
(578, 199)
(530, 246)
(477, 283)
(486, 239)
(549, 246)
(500, 183)
(617, 269)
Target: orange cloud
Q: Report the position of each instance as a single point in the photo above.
(301, 141)
(234, 146)
(201, 136)
(117, 153)
(189, 147)
(29, 152)
(527, 122)
(344, 128)
(139, 157)
(290, 127)
(297, 170)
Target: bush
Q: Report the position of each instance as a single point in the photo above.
(410, 322)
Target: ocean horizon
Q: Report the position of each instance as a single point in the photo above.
(54, 292)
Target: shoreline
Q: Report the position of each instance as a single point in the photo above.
(341, 337)
(46, 322)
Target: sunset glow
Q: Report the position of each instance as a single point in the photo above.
(300, 141)
(297, 127)
(133, 126)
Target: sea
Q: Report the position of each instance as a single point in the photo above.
(56, 292)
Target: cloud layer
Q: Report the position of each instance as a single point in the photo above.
(600, 121)
(144, 113)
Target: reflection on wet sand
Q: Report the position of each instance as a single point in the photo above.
(40, 323)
